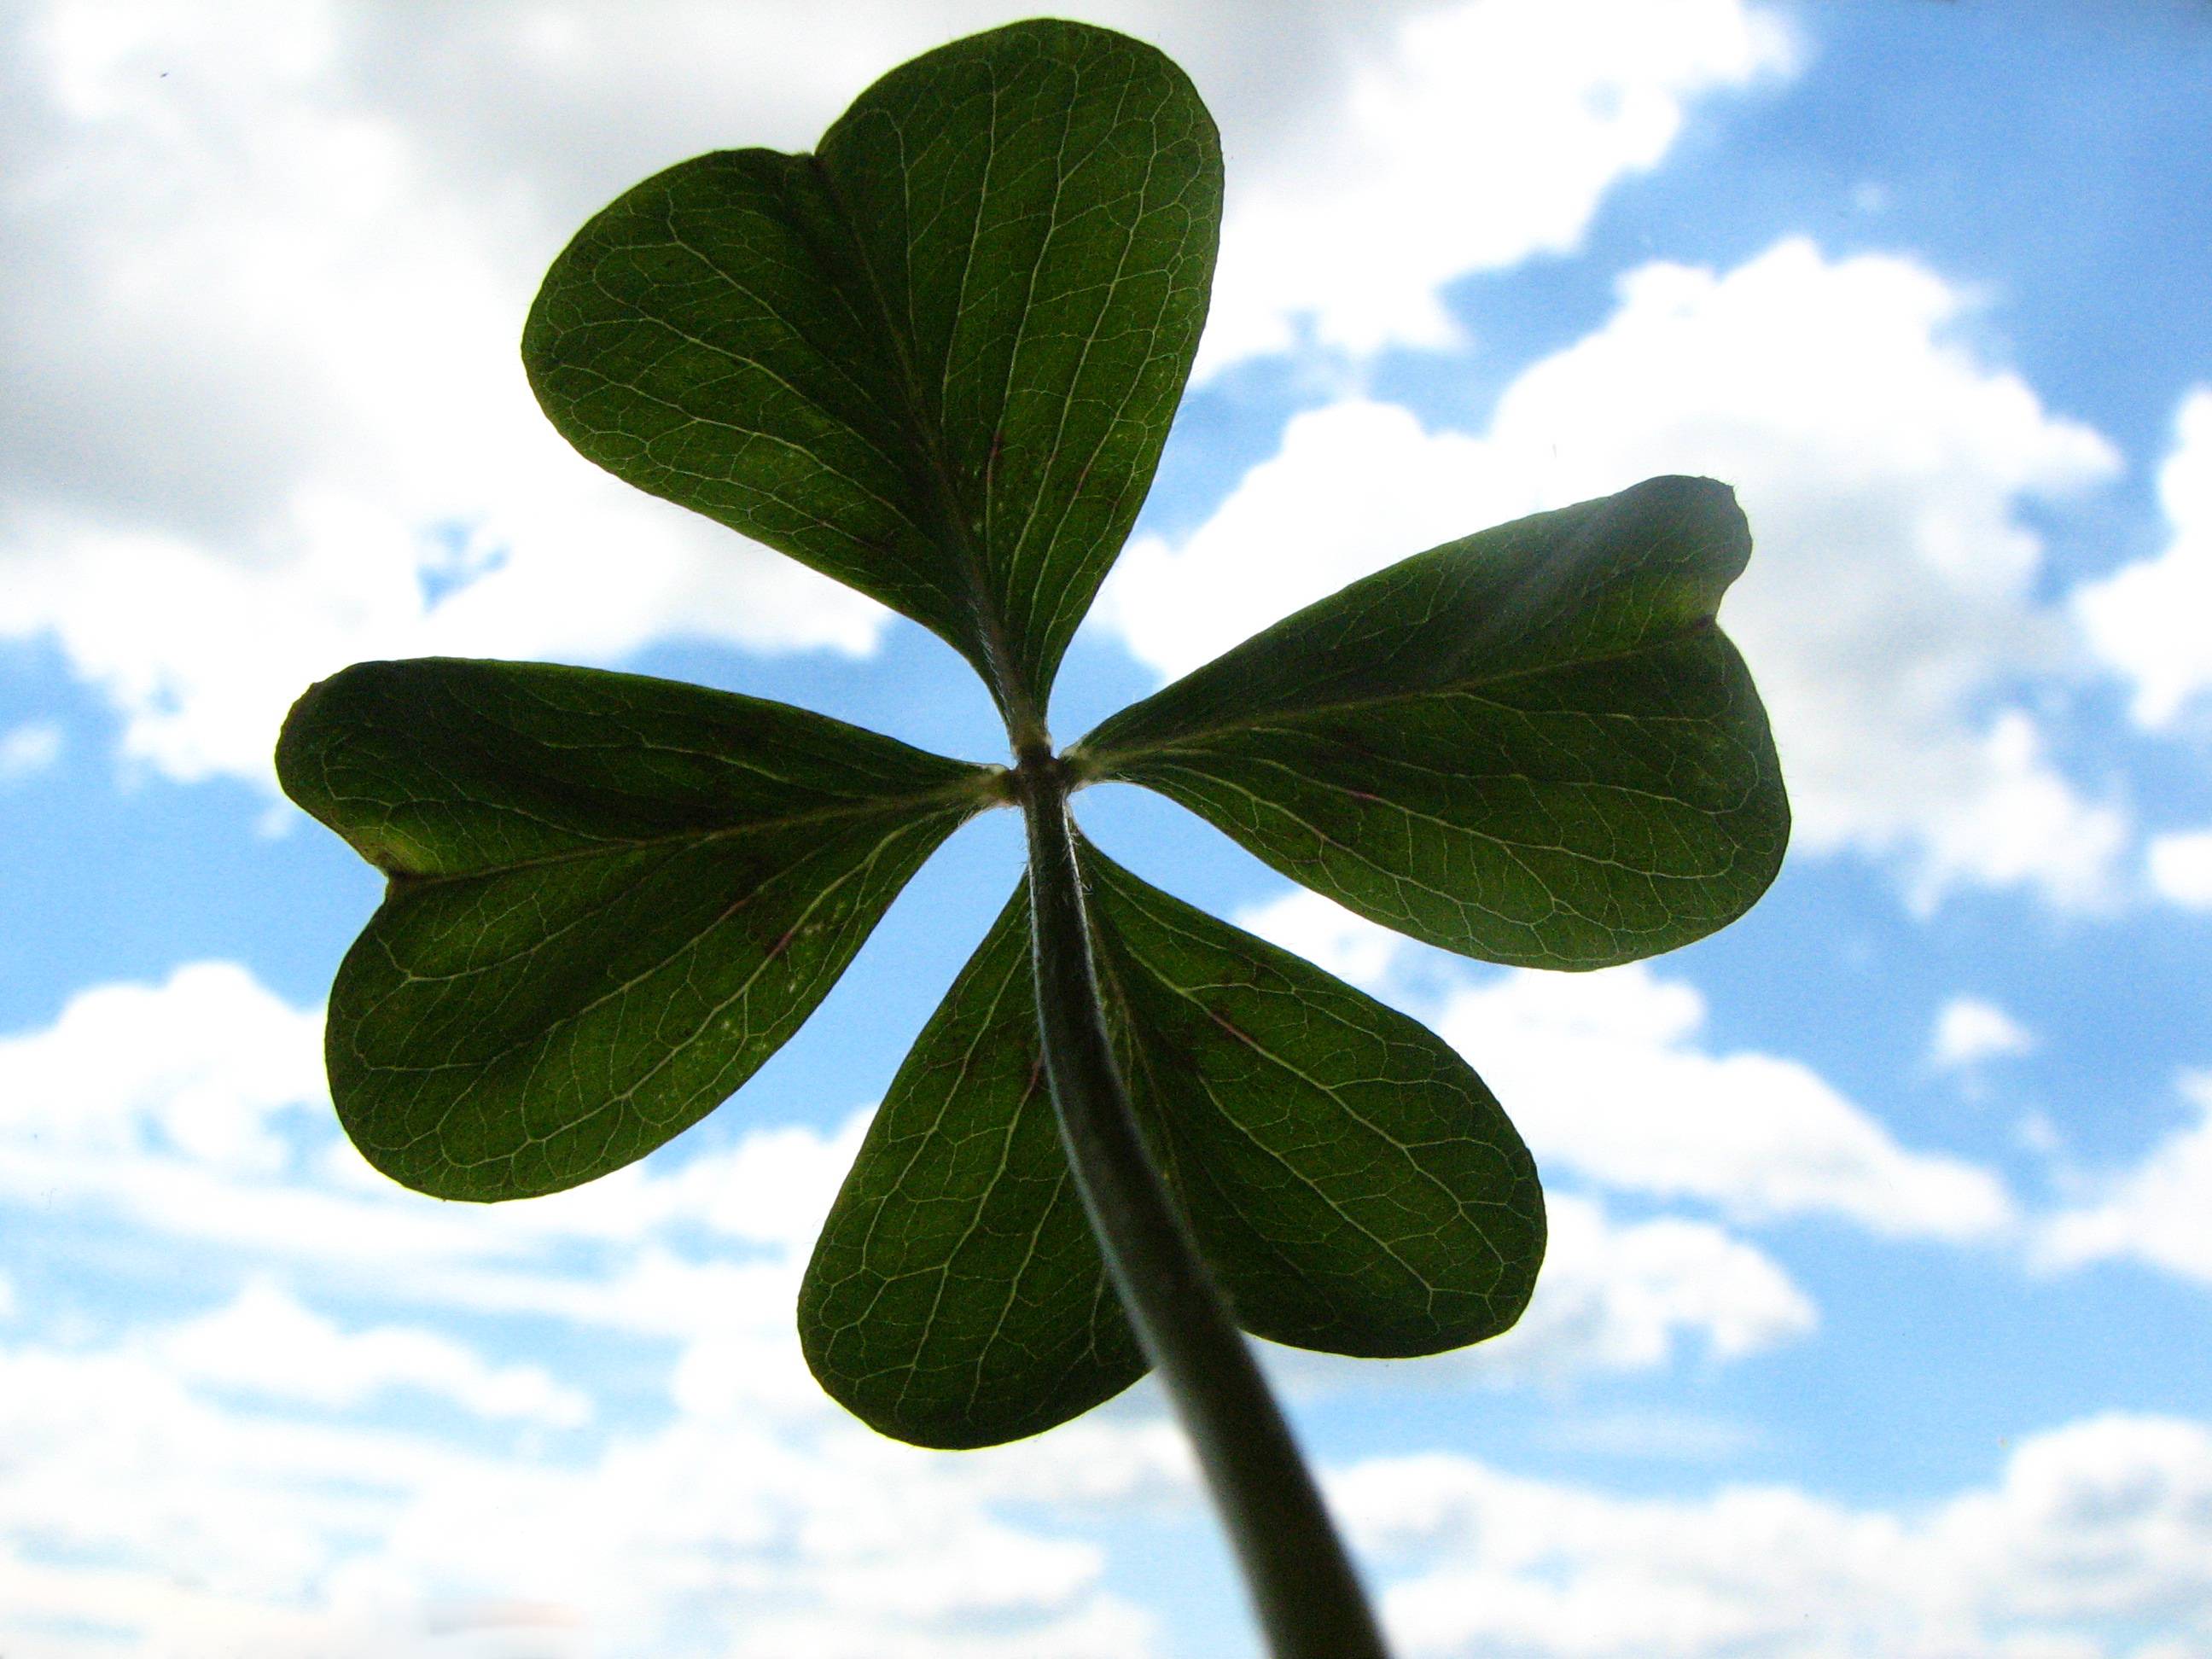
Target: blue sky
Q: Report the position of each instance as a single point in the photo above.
(1876, 1314)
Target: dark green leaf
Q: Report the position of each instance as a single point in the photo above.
(956, 1297)
(611, 898)
(937, 360)
(1532, 745)
(1352, 1183)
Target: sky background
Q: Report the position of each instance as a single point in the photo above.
(1876, 1321)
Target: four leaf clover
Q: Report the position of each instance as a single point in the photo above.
(936, 359)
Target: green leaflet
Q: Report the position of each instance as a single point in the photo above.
(1353, 1182)
(936, 360)
(956, 1297)
(1532, 746)
(611, 898)
(1353, 1185)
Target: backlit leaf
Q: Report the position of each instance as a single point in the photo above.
(1532, 745)
(611, 898)
(1351, 1183)
(935, 360)
(956, 1296)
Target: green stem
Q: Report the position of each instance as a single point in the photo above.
(1303, 1588)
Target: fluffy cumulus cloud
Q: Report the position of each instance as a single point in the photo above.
(351, 1426)
(137, 1501)
(1970, 1031)
(340, 1418)
(2180, 868)
(1617, 1298)
(196, 1108)
(261, 331)
(1608, 1076)
(2153, 1213)
(1481, 135)
(266, 1342)
(267, 263)
(1883, 465)
(2095, 1526)
(2144, 618)
(199, 1068)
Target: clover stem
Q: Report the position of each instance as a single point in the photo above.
(1304, 1590)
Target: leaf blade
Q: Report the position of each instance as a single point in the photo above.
(1354, 1185)
(961, 329)
(1291, 1172)
(611, 898)
(1532, 746)
(956, 1297)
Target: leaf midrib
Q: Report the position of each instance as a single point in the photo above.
(1097, 765)
(975, 788)
(1334, 1096)
(1015, 697)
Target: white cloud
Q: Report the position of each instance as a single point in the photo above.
(190, 1516)
(1882, 465)
(1352, 487)
(29, 748)
(195, 1068)
(2144, 618)
(1969, 1030)
(202, 650)
(212, 1049)
(2154, 1213)
(143, 1507)
(179, 1107)
(267, 1342)
(232, 1483)
(2180, 868)
(193, 1518)
(2104, 1520)
(1480, 135)
(267, 313)
(1606, 1077)
(229, 1485)
(772, 1188)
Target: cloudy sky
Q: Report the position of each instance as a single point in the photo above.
(1880, 1293)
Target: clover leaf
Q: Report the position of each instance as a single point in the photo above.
(1352, 1184)
(936, 359)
